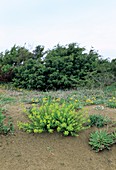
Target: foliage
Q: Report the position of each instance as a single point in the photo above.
(113, 134)
(113, 67)
(30, 75)
(98, 120)
(103, 74)
(6, 125)
(111, 102)
(63, 67)
(68, 66)
(49, 117)
(17, 57)
(52, 99)
(11, 59)
(100, 140)
(4, 99)
(79, 98)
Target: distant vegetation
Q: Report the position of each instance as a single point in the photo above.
(63, 67)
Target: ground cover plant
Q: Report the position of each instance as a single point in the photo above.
(55, 117)
(22, 150)
(4, 99)
(98, 120)
(100, 140)
(6, 123)
(111, 102)
(80, 97)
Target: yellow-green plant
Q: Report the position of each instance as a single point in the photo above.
(49, 117)
(111, 102)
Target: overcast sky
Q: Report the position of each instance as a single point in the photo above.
(49, 22)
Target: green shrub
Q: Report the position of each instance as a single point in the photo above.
(6, 124)
(100, 140)
(98, 120)
(49, 117)
(6, 73)
(63, 67)
(30, 75)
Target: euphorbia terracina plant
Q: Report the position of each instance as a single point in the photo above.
(54, 117)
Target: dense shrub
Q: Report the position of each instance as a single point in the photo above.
(30, 75)
(12, 59)
(6, 73)
(63, 67)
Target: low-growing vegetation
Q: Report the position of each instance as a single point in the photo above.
(100, 140)
(61, 118)
(6, 123)
(4, 99)
(98, 120)
(62, 111)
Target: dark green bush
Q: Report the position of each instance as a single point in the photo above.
(63, 67)
(30, 75)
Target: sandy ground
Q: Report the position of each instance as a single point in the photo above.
(23, 151)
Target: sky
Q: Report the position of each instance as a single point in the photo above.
(89, 23)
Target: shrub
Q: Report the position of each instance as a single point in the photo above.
(63, 67)
(98, 120)
(6, 73)
(30, 75)
(6, 124)
(100, 140)
(49, 117)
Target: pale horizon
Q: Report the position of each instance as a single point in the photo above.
(41, 22)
